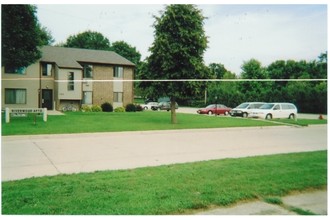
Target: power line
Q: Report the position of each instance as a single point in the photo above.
(171, 80)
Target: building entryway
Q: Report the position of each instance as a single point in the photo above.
(47, 99)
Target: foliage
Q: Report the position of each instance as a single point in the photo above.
(217, 70)
(107, 107)
(93, 108)
(21, 36)
(252, 69)
(130, 108)
(96, 108)
(168, 189)
(177, 53)
(46, 37)
(86, 108)
(309, 97)
(125, 50)
(226, 93)
(139, 108)
(95, 40)
(88, 40)
(120, 109)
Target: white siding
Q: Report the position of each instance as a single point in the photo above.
(63, 92)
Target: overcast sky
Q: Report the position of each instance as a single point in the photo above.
(237, 33)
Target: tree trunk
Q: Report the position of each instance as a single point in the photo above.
(173, 112)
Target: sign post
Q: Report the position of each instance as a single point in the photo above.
(7, 115)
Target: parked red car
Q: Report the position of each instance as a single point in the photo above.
(214, 109)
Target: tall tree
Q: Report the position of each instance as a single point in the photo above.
(46, 37)
(21, 36)
(254, 91)
(177, 53)
(226, 93)
(127, 51)
(88, 40)
(217, 70)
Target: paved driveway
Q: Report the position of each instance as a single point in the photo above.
(27, 156)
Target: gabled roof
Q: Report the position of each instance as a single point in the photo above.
(70, 57)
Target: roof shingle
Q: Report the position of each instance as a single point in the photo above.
(70, 57)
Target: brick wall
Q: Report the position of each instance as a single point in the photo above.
(102, 91)
(128, 86)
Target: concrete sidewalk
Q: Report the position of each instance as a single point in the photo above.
(40, 155)
(314, 203)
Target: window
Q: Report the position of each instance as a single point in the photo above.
(88, 71)
(88, 98)
(15, 70)
(15, 96)
(71, 81)
(277, 107)
(118, 97)
(118, 72)
(46, 69)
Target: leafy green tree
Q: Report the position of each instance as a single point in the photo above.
(323, 58)
(21, 36)
(217, 70)
(88, 40)
(46, 37)
(226, 93)
(254, 90)
(127, 51)
(177, 53)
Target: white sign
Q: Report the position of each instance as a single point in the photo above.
(25, 111)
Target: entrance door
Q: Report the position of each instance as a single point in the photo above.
(47, 99)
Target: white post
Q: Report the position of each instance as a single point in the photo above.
(7, 115)
(44, 114)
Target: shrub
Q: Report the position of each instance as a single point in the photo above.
(96, 108)
(86, 108)
(120, 109)
(130, 108)
(107, 107)
(139, 108)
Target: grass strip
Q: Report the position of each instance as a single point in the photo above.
(301, 211)
(90, 122)
(170, 189)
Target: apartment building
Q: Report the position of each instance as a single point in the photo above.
(69, 78)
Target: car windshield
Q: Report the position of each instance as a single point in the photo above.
(210, 106)
(267, 106)
(243, 105)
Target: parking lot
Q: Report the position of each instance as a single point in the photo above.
(300, 115)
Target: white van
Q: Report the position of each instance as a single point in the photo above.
(276, 110)
(245, 109)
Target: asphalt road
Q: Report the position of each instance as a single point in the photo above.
(39, 155)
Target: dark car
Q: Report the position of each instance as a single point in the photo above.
(218, 109)
(164, 106)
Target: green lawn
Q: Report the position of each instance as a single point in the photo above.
(79, 122)
(171, 189)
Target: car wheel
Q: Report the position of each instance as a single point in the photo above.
(210, 113)
(269, 116)
(245, 115)
(226, 113)
(145, 108)
(291, 116)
